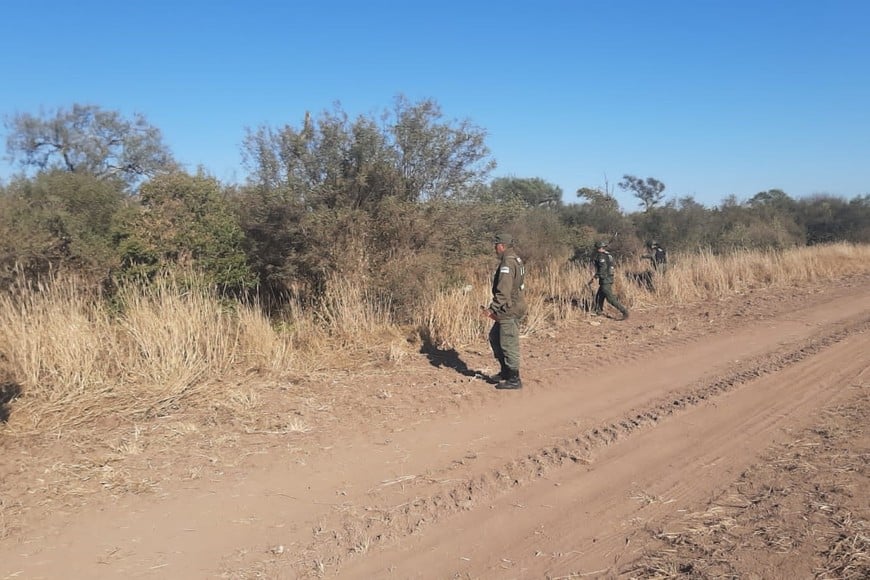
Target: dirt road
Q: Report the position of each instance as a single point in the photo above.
(566, 478)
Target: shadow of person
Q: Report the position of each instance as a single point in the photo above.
(448, 358)
(8, 391)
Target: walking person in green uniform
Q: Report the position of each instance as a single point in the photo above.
(508, 306)
(602, 264)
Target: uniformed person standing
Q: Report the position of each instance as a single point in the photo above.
(508, 306)
(658, 256)
(602, 264)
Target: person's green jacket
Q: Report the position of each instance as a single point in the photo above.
(508, 286)
(604, 268)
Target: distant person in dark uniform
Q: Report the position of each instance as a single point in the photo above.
(603, 269)
(508, 306)
(658, 256)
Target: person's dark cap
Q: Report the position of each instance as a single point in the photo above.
(600, 244)
(503, 238)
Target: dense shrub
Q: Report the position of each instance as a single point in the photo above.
(185, 221)
(58, 221)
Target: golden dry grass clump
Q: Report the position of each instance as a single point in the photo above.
(76, 358)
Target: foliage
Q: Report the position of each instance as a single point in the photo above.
(398, 203)
(755, 224)
(185, 221)
(88, 139)
(404, 250)
(57, 221)
(437, 160)
(542, 237)
(532, 192)
(682, 223)
(649, 191)
(410, 153)
(599, 217)
(600, 210)
(827, 218)
(272, 223)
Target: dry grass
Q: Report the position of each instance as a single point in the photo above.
(703, 276)
(453, 318)
(349, 312)
(76, 359)
(558, 292)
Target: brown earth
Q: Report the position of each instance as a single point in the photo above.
(721, 440)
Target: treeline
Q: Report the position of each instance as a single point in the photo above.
(401, 203)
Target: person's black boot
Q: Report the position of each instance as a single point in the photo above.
(512, 382)
(500, 376)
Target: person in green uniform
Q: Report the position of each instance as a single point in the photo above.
(603, 267)
(508, 306)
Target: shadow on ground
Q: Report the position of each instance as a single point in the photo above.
(450, 359)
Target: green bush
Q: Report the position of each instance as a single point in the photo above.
(58, 220)
(185, 222)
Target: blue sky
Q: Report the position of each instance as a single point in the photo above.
(712, 98)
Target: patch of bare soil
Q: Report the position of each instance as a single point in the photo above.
(801, 512)
(615, 460)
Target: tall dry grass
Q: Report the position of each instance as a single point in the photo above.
(703, 275)
(78, 359)
(559, 293)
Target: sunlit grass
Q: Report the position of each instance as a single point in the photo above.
(78, 357)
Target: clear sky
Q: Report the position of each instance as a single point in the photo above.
(712, 98)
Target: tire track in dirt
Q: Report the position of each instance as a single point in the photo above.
(424, 501)
(627, 486)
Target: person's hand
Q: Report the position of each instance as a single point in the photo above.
(486, 313)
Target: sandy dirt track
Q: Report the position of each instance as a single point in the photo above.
(611, 438)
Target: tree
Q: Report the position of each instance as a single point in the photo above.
(600, 211)
(58, 221)
(858, 219)
(533, 192)
(773, 201)
(186, 221)
(437, 159)
(272, 223)
(87, 139)
(648, 191)
(691, 225)
(410, 154)
(330, 162)
(822, 216)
